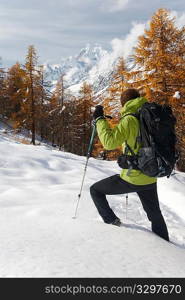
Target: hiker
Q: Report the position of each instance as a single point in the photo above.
(127, 182)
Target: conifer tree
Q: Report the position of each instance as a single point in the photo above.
(60, 97)
(43, 99)
(118, 84)
(120, 77)
(71, 134)
(158, 56)
(4, 100)
(111, 102)
(16, 91)
(160, 65)
(178, 104)
(52, 124)
(32, 82)
(56, 110)
(84, 113)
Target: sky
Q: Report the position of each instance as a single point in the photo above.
(60, 28)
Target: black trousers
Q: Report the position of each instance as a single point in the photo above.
(114, 185)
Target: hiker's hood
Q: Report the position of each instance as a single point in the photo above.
(132, 106)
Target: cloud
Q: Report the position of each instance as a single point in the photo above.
(61, 28)
(124, 47)
(181, 21)
(120, 48)
(116, 5)
(179, 18)
(110, 5)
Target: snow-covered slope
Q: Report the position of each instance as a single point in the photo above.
(39, 238)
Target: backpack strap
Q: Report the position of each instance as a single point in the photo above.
(129, 149)
(132, 165)
(138, 138)
(130, 114)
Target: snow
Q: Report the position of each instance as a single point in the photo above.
(75, 88)
(94, 64)
(177, 95)
(76, 68)
(39, 237)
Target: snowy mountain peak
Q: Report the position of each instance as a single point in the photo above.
(77, 69)
(92, 53)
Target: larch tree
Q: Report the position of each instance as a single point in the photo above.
(178, 104)
(32, 83)
(120, 77)
(118, 84)
(160, 67)
(111, 102)
(16, 91)
(43, 98)
(56, 114)
(60, 96)
(4, 100)
(158, 56)
(84, 104)
(71, 135)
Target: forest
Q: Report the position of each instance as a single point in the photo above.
(65, 120)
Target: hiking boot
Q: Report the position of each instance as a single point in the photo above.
(116, 222)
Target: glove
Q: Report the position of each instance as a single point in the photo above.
(98, 113)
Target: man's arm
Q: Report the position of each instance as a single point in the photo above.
(111, 138)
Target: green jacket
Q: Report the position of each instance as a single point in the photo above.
(126, 130)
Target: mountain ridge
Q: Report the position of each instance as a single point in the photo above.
(88, 65)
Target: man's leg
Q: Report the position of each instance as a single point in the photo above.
(150, 202)
(113, 185)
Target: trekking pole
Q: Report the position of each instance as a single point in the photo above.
(85, 169)
(126, 212)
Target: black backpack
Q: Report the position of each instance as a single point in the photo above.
(157, 155)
